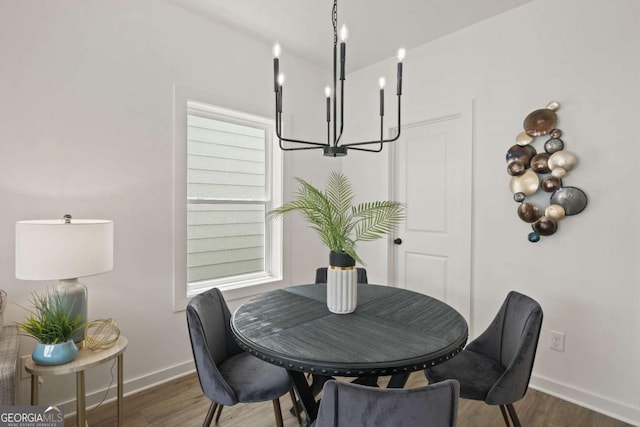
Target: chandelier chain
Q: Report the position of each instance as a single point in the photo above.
(334, 19)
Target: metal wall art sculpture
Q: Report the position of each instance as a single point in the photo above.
(533, 174)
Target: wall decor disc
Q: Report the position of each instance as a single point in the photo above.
(540, 163)
(540, 122)
(572, 199)
(528, 212)
(553, 105)
(553, 144)
(519, 197)
(523, 138)
(545, 226)
(516, 168)
(533, 237)
(550, 184)
(526, 183)
(521, 153)
(563, 159)
(555, 212)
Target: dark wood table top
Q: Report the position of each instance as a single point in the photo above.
(392, 330)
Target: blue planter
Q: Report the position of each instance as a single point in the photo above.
(54, 354)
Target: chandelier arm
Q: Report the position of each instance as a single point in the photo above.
(300, 148)
(367, 149)
(381, 141)
(297, 141)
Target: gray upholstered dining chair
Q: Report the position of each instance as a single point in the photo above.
(496, 366)
(321, 275)
(227, 374)
(354, 405)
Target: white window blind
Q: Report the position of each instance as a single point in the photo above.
(229, 188)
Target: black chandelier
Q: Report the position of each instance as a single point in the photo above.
(332, 147)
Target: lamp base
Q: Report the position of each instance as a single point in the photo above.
(73, 296)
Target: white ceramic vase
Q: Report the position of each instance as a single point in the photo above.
(342, 289)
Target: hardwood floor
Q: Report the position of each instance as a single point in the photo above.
(180, 403)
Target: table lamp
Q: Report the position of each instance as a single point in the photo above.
(65, 250)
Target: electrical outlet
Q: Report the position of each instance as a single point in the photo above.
(24, 375)
(556, 341)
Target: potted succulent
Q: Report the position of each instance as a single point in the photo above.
(340, 225)
(53, 327)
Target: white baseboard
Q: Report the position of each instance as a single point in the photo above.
(132, 386)
(620, 411)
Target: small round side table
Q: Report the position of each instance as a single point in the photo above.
(85, 359)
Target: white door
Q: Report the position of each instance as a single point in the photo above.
(431, 166)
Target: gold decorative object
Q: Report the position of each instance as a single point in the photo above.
(101, 334)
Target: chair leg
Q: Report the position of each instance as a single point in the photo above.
(219, 412)
(514, 416)
(504, 415)
(209, 417)
(296, 409)
(277, 412)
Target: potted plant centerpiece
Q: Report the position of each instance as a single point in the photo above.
(340, 225)
(52, 326)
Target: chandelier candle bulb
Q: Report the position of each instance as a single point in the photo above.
(401, 54)
(276, 65)
(382, 83)
(327, 92)
(279, 93)
(344, 35)
(343, 52)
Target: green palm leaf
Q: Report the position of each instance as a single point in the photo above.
(332, 215)
(340, 194)
(374, 220)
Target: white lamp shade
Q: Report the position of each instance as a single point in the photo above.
(53, 249)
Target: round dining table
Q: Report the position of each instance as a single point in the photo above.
(393, 331)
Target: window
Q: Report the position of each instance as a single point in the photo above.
(227, 179)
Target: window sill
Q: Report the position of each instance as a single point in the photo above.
(239, 290)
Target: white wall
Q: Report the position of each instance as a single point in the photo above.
(86, 128)
(584, 54)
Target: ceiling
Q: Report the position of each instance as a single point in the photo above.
(377, 28)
